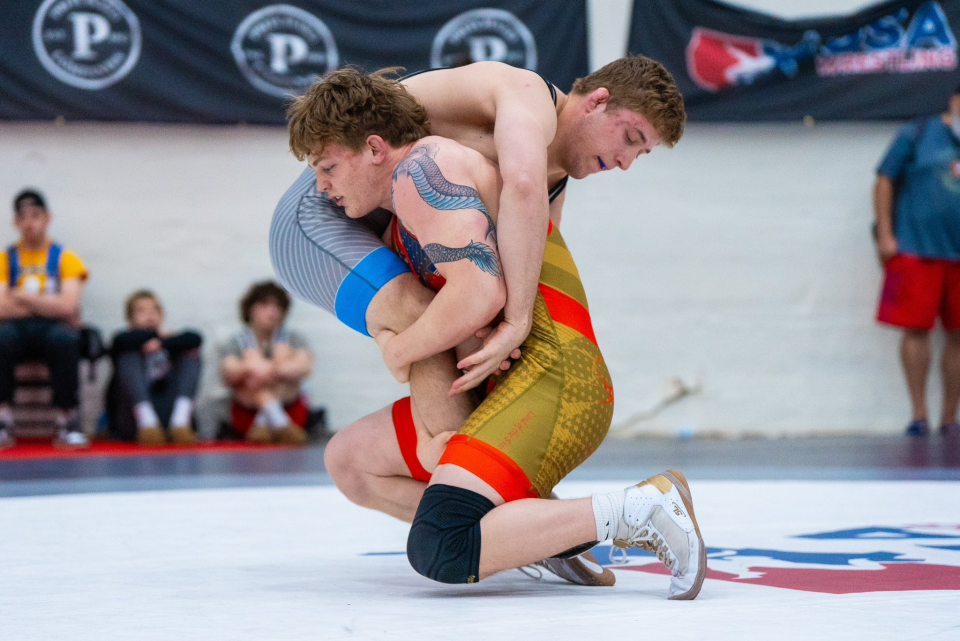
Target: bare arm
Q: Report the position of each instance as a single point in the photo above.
(232, 370)
(516, 105)
(64, 305)
(292, 365)
(526, 122)
(883, 214)
(464, 305)
(496, 346)
(458, 235)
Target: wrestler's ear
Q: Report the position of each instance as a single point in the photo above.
(378, 148)
(597, 98)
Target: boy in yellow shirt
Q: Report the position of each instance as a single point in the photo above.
(41, 287)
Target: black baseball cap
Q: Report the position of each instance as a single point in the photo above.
(29, 197)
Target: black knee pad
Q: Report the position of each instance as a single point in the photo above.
(444, 541)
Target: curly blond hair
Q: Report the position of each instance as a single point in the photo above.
(348, 105)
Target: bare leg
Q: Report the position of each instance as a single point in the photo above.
(915, 357)
(365, 462)
(395, 307)
(522, 532)
(950, 370)
(364, 458)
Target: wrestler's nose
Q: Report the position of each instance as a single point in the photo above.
(322, 183)
(624, 161)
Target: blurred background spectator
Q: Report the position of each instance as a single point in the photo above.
(156, 374)
(916, 202)
(265, 365)
(41, 288)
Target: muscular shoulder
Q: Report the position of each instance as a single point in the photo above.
(471, 93)
(495, 74)
(434, 156)
(452, 155)
(484, 76)
(441, 175)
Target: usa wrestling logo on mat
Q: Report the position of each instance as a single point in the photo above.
(869, 559)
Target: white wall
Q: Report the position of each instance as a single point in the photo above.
(741, 257)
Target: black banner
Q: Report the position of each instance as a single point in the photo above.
(239, 61)
(890, 61)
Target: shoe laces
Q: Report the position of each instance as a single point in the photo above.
(646, 538)
(532, 571)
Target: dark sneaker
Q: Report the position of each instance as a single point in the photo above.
(918, 428)
(950, 430)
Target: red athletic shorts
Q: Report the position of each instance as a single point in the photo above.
(242, 416)
(917, 290)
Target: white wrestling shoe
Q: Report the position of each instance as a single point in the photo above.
(659, 515)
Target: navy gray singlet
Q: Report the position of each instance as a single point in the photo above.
(338, 263)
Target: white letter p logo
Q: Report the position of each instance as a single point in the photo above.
(487, 48)
(88, 29)
(286, 49)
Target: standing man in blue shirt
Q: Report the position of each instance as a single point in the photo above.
(917, 208)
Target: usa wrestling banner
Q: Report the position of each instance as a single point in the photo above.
(240, 61)
(890, 61)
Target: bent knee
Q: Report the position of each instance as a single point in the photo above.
(344, 467)
(444, 540)
(337, 456)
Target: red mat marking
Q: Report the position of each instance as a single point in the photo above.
(44, 448)
(894, 577)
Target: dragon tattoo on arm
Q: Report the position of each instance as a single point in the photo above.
(441, 194)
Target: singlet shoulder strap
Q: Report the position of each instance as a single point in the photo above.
(558, 188)
(53, 260)
(417, 73)
(550, 86)
(13, 263)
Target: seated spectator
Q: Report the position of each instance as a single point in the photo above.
(265, 366)
(41, 287)
(155, 377)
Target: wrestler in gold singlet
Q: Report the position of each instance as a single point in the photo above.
(553, 408)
